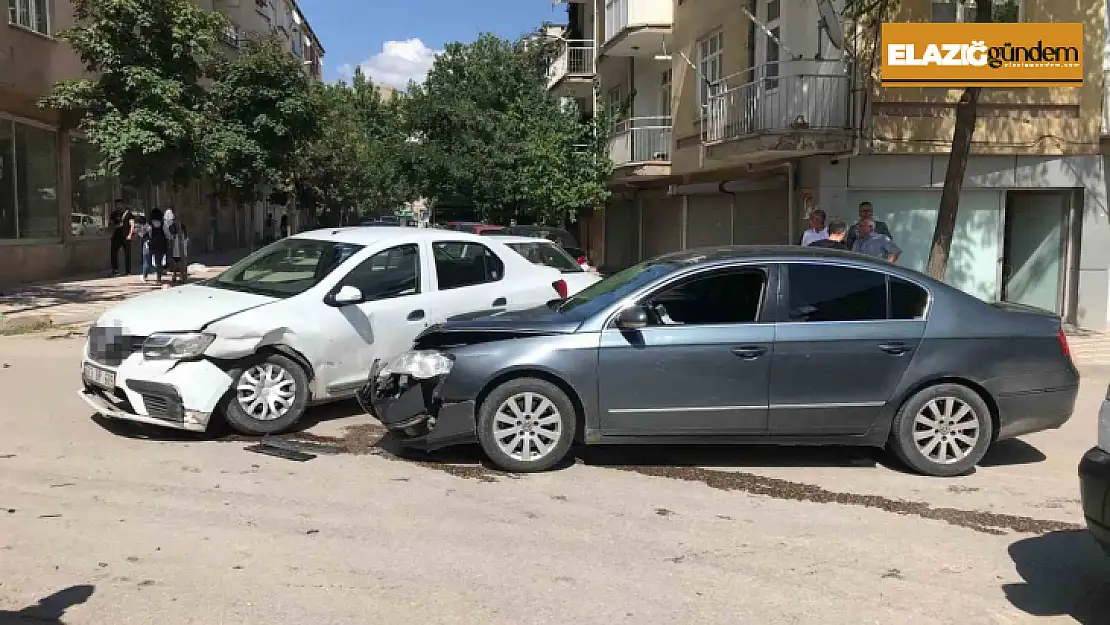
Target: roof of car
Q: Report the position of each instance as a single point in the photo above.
(509, 239)
(368, 235)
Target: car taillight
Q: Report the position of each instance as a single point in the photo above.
(582, 260)
(1060, 336)
(560, 287)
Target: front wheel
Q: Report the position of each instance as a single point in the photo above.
(942, 430)
(269, 395)
(526, 425)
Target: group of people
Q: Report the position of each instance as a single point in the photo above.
(163, 241)
(867, 236)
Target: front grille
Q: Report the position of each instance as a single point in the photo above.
(108, 345)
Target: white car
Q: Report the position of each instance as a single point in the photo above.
(551, 254)
(298, 322)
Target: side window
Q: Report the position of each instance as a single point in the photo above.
(394, 272)
(907, 300)
(832, 293)
(461, 264)
(732, 296)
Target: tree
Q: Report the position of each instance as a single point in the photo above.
(142, 106)
(262, 110)
(491, 134)
(966, 120)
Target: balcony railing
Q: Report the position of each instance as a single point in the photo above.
(641, 140)
(622, 14)
(229, 34)
(1105, 102)
(787, 96)
(576, 58)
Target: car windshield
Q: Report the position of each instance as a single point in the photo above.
(601, 295)
(286, 268)
(548, 254)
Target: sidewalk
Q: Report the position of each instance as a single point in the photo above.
(82, 300)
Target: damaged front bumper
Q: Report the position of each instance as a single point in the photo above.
(415, 413)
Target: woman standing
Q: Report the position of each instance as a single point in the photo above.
(159, 243)
(142, 232)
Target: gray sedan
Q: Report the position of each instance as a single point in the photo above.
(779, 345)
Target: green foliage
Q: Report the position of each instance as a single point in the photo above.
(491, 134)
(142, 105)
(263, 108)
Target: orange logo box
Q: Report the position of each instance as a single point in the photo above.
(982, 55)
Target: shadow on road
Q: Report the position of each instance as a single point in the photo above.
(1012, 452)
(1065, 573)
(49, 609)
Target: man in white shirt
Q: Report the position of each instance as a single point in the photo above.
(818, 231)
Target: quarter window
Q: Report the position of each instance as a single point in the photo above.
(460, 264)
(394, 272)
(729, 297)
(833, 293)
(907, 300)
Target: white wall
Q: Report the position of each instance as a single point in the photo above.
(647, 79)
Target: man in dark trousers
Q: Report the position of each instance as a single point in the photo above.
(123, 229)
(837, 231)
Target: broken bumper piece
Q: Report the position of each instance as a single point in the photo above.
(414, 413)
(169, 413)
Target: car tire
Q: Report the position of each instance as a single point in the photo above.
(269, 394)
(942, 430)
(535, 436)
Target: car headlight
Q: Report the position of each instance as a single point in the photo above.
(176, 346)
(420, 364)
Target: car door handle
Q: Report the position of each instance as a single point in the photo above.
(749, 352)
(896, 349)
(501, 301)
(415, 315)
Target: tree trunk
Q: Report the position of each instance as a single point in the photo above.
(966, 118)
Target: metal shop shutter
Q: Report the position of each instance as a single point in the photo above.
(622, 234)
(662, 225)
(708, 220)
(762, 218)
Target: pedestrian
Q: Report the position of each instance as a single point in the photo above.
(817, 230)
(867, 211)
(871, 243)
(284, 226)
(179, 250)
(837, 231)
(123, 229)
(159, 243)
(142, 233)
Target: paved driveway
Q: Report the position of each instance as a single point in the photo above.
(102, 524)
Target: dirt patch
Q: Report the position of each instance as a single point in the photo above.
(13, 326)
(985, 522)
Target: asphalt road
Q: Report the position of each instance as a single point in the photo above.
(103, 524)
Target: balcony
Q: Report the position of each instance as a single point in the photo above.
(640, 147)
(637, 27)
(575, 63)
(230, 36)
(791, 109)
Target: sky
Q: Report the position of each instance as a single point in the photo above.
(396, 40)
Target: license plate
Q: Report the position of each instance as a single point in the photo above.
(100, 377)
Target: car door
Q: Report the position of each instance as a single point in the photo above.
(469, 277)
(839, 351)
(398, 303)
(702, 365)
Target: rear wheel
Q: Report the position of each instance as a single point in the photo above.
(269, 395)
(942, 431)
(526, 425)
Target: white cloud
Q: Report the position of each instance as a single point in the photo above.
(397, 63)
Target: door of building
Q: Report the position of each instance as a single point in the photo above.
(1034, 249)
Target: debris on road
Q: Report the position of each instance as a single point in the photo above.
(278, 452)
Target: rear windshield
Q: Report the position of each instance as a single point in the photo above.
(547, 254)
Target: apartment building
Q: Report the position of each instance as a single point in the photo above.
(731, 129)
(53, 221)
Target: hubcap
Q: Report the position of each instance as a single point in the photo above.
(527, 426)
(945, 430)
(266, 392)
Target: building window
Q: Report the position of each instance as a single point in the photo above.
(616, 104)
(92, 196)
(964, 11)
(28, 182)
(710, 53)
(665, 94)
(771, 13)
(31, 14)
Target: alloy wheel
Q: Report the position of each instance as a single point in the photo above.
(946, 430)
(266, 391)
(527, 427)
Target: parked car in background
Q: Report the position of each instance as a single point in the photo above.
(297, 322)
(776, 344)
(558, 235)
(82, 225)
(1094, 480)
(550, 254)
(384, 220)
(474, 228)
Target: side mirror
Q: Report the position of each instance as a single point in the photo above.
(345, 296)
(632, 318)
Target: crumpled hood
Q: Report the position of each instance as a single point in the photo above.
(183, 309)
